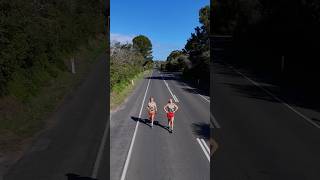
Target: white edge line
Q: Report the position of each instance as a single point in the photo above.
(278, 99)
(203, 149)
(124, 172)
(176, 99)
(205, 145)
(100, 152)
(215, 122)
(196, 92)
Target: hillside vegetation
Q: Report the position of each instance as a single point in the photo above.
(128, 62)
(37, 41)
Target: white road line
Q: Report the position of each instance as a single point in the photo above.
(215, 122)
(124, 172)
(173, 96)
(203, 149)
(205, 145)
(278, 99)
(176, 99)
(100, 152)
(196, 92)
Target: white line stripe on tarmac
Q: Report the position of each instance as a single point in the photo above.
(205, 145)
(124, 172)
(203, 149)
(215, 122)
(101, 149)
(196, 92)
(173, 96)
(278, 99)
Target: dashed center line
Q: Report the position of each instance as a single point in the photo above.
(173, 96)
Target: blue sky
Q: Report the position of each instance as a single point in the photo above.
(167, 23)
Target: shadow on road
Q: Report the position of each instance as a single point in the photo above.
(202, 130)
(194, 88)
(161, 77)
(160, 125)
(72, 176)
(147, 122)
(144, 121)
(293, 95)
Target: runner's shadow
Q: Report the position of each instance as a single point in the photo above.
(160, 125)
(72, 176)
(144, 121)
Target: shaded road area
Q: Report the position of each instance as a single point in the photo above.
(262, 136)
(68, 150)
(140, 152)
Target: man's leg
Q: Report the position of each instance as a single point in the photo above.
(172, 120)
(152, 119)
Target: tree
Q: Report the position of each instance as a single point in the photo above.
(204, 17)
(176, 61)
(197, 48)
(143, 45)
(174, 54)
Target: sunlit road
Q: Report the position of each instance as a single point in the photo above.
(139, 152)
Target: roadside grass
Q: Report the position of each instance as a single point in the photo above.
(123, 89)
(21, 119)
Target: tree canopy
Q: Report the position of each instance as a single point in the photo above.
(194, 59)
(143, 45)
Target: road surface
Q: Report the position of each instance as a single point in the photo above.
(261, 136)
(139, 152)
(72, 145)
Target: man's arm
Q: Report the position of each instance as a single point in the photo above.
(176, 107)
(164, 108)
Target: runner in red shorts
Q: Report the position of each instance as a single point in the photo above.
(170, 109)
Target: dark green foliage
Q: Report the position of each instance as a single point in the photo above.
(204, 17)
(197, 49)
(143, 45)
(264, 31)
(36, 36)
(125, 63)
(176, 61)
(194, 59)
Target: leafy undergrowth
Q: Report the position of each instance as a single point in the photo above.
(123, 89)
(24, 111)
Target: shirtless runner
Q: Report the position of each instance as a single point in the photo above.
(170, 109)
(152, 109)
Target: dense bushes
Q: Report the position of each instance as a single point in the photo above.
(126, 62)
(36, 37)
(264, 31)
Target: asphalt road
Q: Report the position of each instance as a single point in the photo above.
(72, 145)
(140, 152)
(261, 137)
